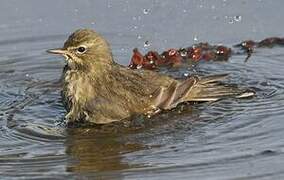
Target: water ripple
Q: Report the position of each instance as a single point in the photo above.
(229, 138)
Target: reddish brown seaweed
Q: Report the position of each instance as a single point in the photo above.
(197, 52)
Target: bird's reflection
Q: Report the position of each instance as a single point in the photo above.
(94, 152)
(104, 151)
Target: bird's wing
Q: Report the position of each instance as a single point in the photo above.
(169, 97)
(196, 89)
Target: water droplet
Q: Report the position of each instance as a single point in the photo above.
(139, 66)
(238, 18)
(183, 53)
(146, 11)
(224, 3)
(186, 74)
(108, 5)
(139, 37)
(146, 44)
(231, 21)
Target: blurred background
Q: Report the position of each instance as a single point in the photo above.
(163, 24)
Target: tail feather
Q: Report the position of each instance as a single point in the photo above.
(213, 78)
(209, 88)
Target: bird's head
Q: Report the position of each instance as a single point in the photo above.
(85, 49)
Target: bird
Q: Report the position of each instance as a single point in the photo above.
(98, 90)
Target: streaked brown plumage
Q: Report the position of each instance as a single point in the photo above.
(98, 90)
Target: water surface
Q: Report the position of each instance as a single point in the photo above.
(230, 139)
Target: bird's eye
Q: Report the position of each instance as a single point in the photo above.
(81, 49)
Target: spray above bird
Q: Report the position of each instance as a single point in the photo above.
(98, 90)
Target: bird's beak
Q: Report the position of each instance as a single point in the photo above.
(60, 51)
(57, 51)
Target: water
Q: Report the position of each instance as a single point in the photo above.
(230, 139)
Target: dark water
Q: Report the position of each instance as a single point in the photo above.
(230, 139)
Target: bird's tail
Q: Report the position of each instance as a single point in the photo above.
(210, 88)
(198, 89)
